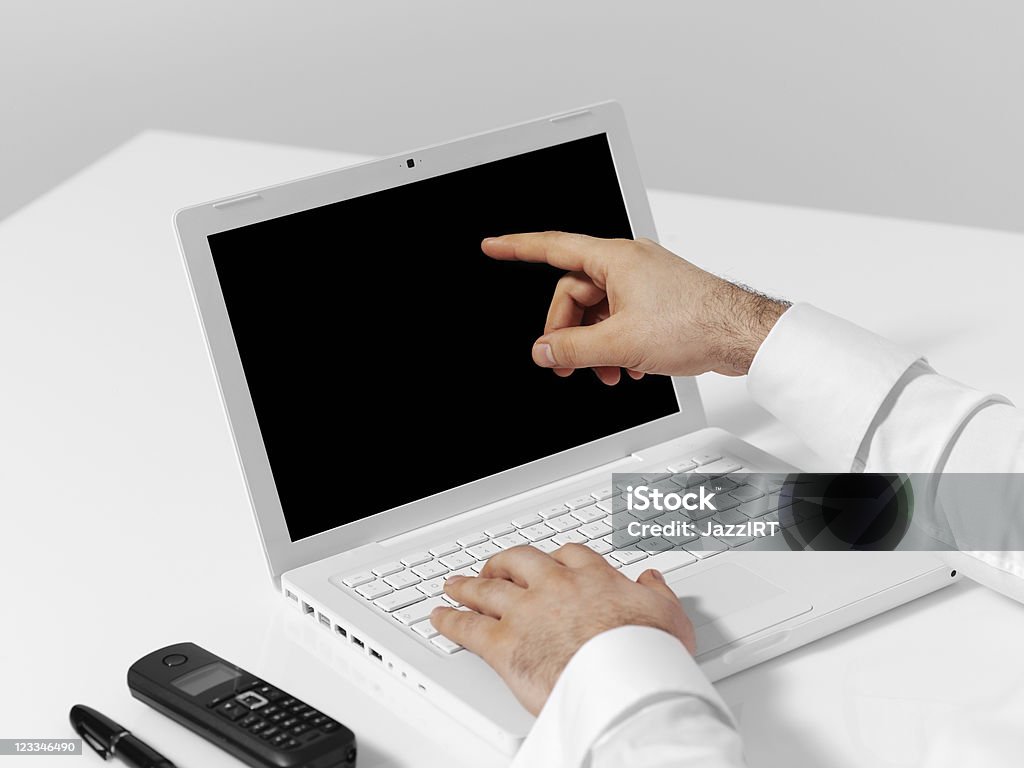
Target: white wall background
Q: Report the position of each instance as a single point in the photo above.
(909, 108)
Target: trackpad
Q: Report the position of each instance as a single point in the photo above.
(728, 602)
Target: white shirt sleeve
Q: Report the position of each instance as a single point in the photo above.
(868, 404)
(632, 696)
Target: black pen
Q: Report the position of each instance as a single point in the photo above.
(112, 740)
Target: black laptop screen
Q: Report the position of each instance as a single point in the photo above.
(388, 359)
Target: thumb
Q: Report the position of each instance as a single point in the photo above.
(585, 346)
(654, 580)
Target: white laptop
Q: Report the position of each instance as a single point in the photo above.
(392, 428)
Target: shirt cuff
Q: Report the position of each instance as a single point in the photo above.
(831, 413)
(614, 674)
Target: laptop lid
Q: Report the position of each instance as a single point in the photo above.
(352, 314)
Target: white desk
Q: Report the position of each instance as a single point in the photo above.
(126, 527)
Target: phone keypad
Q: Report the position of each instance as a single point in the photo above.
(271, 715)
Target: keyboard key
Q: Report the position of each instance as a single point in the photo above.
(730, 516)
(524, 521)
(705, 546)
(600, 546)
(654, 477)
(554, 511)
(484, 551)
(456, 560)
(499, 529)
(400, 599)
(570, 537)
(563, 523)
(623, 539)
(589, 514)
(511, 540)
(705, 458)
(665, 562)
(471, 539)
(545, 545)
(596, 529)
(430, 570)
(648, 514)
(627, 556)
(451, 601)
(580, 501)
(723, 467)
(358, 579)
(424, 629)
(444, 549)
(416, 558)
(757, 507)
(656, 544)
(446, 645)
(477, 567)
(431, 588)
(402, 579)
(386, 569)
(605, 492)
(621, 520)
(418, 611)
(746, 493)
(725, 501)
(612, 561)
(467, 571)
(608, 505)
(692, 479)
(766, 481)
(536, 532)
(374, 589)
(682, 465)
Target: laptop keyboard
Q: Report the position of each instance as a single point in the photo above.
(409, 588)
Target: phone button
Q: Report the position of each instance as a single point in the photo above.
(175, 660)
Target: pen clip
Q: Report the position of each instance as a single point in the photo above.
(96, 729)
(100, 748)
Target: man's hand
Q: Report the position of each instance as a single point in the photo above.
(632, 304)
(530, 612)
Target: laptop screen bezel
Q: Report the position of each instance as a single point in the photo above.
(196, 223)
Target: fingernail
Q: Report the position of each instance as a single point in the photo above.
(657, 575)
(542, 355)
(492, 241)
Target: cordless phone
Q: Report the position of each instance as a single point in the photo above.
(256, 722)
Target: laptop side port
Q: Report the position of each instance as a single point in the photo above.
(357, 641)
(341, 630)
(306, 607)
(324, 620)
(376, 655)
(291, 596)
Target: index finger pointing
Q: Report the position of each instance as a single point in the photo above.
(564, 250)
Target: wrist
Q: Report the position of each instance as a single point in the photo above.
(744, 319)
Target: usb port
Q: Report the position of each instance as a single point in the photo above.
(376, 655)
(341, 630)
(324, 620)
(357, 641)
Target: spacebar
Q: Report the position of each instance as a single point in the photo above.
(663, 561)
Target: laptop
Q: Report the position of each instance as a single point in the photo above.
(392, 428)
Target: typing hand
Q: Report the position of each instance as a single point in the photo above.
(530, 612)
(632, 304)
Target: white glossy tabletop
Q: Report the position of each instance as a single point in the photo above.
(126, 526)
